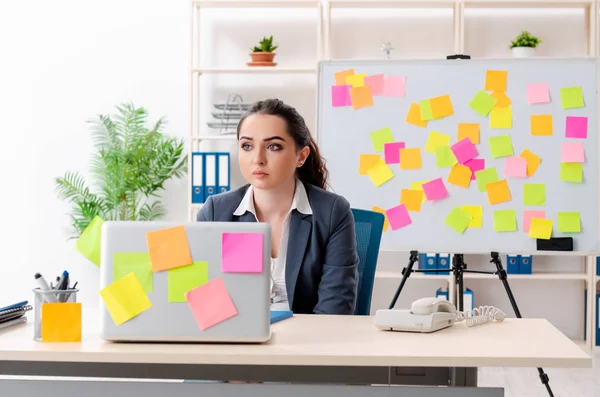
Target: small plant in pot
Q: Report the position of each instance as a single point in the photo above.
(524, 45)
(263, 53)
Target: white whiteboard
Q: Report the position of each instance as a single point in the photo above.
(344, 134)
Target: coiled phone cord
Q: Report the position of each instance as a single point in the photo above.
(481, 315)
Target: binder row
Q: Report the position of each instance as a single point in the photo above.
(210, 175)
(431, 261)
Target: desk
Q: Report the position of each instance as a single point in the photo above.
(316, 349)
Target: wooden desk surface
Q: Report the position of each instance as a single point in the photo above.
(325, 341)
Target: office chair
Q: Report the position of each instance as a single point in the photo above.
(369, 228)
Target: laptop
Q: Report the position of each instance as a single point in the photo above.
(171, 316)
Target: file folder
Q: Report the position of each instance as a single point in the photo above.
(210, 173)
(468, 300)
(512, 264)
(428, 262)
(197, 178)
(525, 264)
(441, 294)
(598, 266)
(598, 319)
(223, 172)
(443, 263)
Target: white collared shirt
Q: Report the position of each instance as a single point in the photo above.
(279, 299)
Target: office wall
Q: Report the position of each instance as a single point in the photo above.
(66, 61)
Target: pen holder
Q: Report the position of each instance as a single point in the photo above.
(57, 316)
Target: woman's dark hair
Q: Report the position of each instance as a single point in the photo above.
(313, 171)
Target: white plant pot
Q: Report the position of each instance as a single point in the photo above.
(523, 52)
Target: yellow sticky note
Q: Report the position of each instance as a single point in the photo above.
(435, 139)
(501, 118)
(410, 158)
(419, 186)
(540, 228)
(495, 80)
(498, 192)
(569, 222)
(468, 130)
(125, 298)
(460, 175)
(340, 77)
(414, 116)
(61, 322)
(361, 97)
(533, 161)
(541, 124)
(366, 162)
(386, 223)
(502, 100)
(476, 212)
(380, 173)
(411, 199)
(441, 106)
(168, 248)
(356, 80)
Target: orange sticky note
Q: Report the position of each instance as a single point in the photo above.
(367, 161)
(361, 97)
(61, 322)
(386, 223)
(468, 130)
(495, 80)
(340, 77)
(168, 248)
(502, 100)
(541, 124)
(414, 116)
(412, 199)
(410, 158)
(498, 192)
(441, 106)
(460, 175)
(533, 161)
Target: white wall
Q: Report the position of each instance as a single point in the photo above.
(68, 60)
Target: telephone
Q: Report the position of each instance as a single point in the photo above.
(432, 314)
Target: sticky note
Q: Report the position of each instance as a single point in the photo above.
(410, 158)
(366, 161)
(533, 161)
(572, 152)
(395, 86)
(211, 304)
(361, 97)
(398, 217)
(386, 223)
(441, 106)
(484, 177)
(464, 150)
(528, 214)
(376, 82)
(482, 103)
(426, 112)
(340, 77)
(62, 322)
(136, 262)
(356, 80)
(571, 97)
(436, 139)
(501, 118)
(502, 100)
(505, 220)
(444, 157)
(458, 219)
(576, 127)
(414, 116)
(475, 165)
(495, 80)
(380, 137)
(168, 248)
(412, 199)
(242, 252)
(340, 95)
(498, 192)
(541, 124)
(537, 93)
(501, 146)
(380, 173)
(515, 166)
(435, 189)
(391, 152)
(419, 186)
(569, 222)
(571, 172)
(89, 242)
(534, 194)
(124, 299)
(468, 130)
(460, 175)
(540, 228)
(183, 279)
(476, 212)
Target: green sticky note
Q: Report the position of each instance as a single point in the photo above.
(426, 112)
(505, 220)
(381, 137)
(534, 194)
(88, 244)
(569, 222)
(485, 176)
(571, 172)
(458, 219)
(133, 262)
(571, 97)
(482, 103)
(185, 278)
(444, 157)
(501, 146)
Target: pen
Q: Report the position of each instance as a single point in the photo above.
(43, 285)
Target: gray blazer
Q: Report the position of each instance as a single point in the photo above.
(322, 263)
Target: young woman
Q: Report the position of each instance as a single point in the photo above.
(313, 256)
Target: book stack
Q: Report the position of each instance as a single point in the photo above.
(14, 314)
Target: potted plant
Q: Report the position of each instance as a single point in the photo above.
(524, 45)
(263, 53)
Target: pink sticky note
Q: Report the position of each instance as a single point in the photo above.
(475, 165)
(395, 86)
(515, 166)
(392, 152)
(576, 127)
(376, 82)
(528, 214)
(572, 152)
(340, 95)
(210, 303)
(242, 252)
(538, 93)
(435, 189)
(464, 150)
(398, 217)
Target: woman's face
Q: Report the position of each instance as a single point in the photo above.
(267, 153)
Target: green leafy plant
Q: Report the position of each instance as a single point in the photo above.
(129, 167)
(525, 39)
(265, 45)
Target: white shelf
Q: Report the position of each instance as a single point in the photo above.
(255, 69)
(396, 274)
(231, 137)
(256, 3)
(392, 4)
(527, 3)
